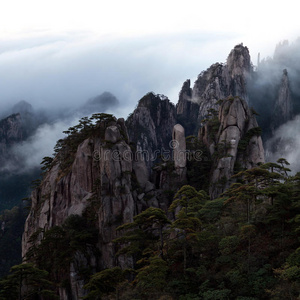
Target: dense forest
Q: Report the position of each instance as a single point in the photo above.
(243, 245)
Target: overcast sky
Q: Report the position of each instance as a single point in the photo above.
(55, 54)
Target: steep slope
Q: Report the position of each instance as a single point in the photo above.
(233, 137)
(13, 130)
(282, 112)
(95, 182)
(150, 127)
(187, 110)
(102, 169)
(219, 81)
(14, 181)
(97, 175)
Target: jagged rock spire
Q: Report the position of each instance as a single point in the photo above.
(283, 106)
(218, 82)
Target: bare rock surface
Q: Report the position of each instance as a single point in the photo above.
(237, 143)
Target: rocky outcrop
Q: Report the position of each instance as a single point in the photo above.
(218, 82)
(179, 150)
(11, 132)
(210, 86)
(223, 80)
(239, 70)
(102, 170)
(150, 127)
(233, 138)
(111, 172)
(11, 129)
(283, 106)
(105, 178)
(187, 110)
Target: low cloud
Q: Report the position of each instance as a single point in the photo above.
(65, 70)
(59, 73)
(286, 144)
(30, 153)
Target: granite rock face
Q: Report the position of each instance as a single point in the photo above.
(219, 81)
(187, 110)
(283, 106)
(211, 86)
(105, 170)
(223, 80)
(179, 146)
(102, 168)
(150, 127)
(179, 150)
(115, 166)
(235, 144)
(239, 70)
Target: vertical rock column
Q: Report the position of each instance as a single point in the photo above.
(179, 150)
(283, 106)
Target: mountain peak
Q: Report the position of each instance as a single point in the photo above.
(102, 102)
(238, 60)
(22, 107)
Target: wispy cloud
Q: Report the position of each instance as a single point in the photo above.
(286, 144)
(65, 70)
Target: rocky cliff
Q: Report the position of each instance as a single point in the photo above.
(11, 132)
(150, 127)
(187, 110)
(66, 187)
(100, 178)
(16, 127)
(282, 111)
(233, 138)
(111, 170)
(219, 81)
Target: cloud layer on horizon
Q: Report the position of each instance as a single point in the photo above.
(56, 71)
(60, 72)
